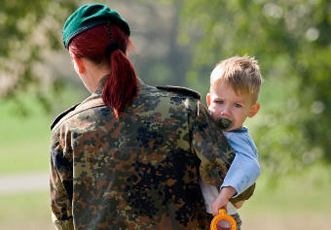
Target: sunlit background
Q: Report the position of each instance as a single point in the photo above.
(178, 42)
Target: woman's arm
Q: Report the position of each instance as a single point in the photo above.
(61, 190)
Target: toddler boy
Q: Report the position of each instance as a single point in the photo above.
(233, 94)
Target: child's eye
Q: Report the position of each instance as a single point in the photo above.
(219, 102)
(237, 105)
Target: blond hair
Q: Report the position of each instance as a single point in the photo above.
(240, 73)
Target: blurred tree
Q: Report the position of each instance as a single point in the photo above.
(291, 40)
(162, 60)
(33, 31)
(28, 29)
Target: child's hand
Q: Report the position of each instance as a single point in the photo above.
(222, 199)
(239, 204)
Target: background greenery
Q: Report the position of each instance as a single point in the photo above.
(179, 42)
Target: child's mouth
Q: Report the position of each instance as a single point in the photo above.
(224, 123)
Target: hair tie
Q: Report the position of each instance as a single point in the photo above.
(111, 47)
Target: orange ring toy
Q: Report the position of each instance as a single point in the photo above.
(222, 216)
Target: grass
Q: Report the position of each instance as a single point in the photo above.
(296, 202)
(24, 147)
(25, 140)
(295, 192)
(26, 211)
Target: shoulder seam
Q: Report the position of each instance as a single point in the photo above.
(63, 114)
(181, 89)
(75, 113)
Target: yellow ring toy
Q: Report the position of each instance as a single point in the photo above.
(223, 216)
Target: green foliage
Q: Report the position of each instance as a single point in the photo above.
(28, 31)
(291, 40)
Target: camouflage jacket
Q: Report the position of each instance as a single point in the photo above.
(138, 171)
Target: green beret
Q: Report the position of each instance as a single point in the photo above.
(89, 16)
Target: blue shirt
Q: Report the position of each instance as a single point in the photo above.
(245, 168)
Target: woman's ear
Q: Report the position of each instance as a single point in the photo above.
(208, 99)
(78, 63)
(254, 109)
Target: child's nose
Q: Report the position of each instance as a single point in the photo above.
(226, 111)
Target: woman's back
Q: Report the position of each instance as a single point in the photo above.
(138, 171)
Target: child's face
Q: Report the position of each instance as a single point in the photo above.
(223, 102)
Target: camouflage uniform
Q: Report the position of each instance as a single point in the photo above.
(139, 171)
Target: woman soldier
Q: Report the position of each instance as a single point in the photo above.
(130, 155)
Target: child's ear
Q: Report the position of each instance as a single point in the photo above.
(208, 99)
(254, 109)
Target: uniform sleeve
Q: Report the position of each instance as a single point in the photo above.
(211, 147)
(60, 187)
(244, 195)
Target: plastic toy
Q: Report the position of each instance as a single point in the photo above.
(223, 221)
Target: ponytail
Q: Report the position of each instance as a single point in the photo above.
(121, 85)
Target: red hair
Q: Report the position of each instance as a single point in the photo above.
(121, 85)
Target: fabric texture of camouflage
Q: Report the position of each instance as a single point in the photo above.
(138, 171)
